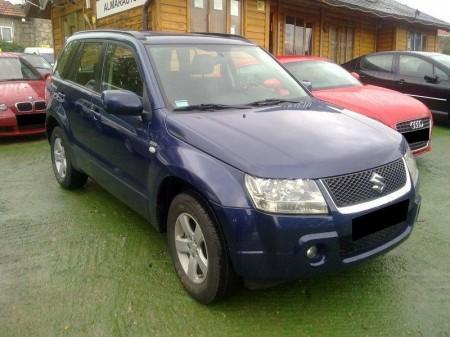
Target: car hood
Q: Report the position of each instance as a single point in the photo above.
(388, 106)
(21, 91)
(286, 142)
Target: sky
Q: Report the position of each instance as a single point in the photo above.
(437, 8)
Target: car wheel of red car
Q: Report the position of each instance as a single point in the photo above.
(66, 175)
(197, 250)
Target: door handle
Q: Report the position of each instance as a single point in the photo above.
(401, 82)
(96, 113)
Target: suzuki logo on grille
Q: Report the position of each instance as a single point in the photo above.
(378, 182)
(416, 124)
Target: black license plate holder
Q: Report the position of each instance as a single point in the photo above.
(383, 218)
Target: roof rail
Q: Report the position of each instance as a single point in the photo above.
(135, 34)
(229, 36)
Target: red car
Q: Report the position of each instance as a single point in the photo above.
(22, 97)
(332, 83)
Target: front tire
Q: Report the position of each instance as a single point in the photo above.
(66, 175)
(197, 250)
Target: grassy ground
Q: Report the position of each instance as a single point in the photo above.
(82, 264)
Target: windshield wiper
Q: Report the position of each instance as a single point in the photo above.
(210, 106)
(271, 101)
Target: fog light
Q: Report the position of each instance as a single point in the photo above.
(312, 251)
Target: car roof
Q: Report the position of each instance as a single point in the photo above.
(290, 59)
(163, 37)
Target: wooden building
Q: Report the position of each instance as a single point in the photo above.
(337, 29)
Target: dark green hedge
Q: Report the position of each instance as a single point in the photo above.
(10, 46)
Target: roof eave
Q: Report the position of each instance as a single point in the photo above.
(391, 16)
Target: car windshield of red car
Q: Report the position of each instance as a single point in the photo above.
(14, 69)
(322, 74)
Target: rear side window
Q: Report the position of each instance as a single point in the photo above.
(377, 63)
(63, 65)
(87, 65)
(121, 70)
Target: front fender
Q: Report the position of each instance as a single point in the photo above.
(217, 181)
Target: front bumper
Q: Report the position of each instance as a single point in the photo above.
(9, 126)
(267, 247)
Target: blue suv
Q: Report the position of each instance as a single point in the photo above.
(211, 140)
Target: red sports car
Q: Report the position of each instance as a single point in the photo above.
(332, 83)
(22, 97)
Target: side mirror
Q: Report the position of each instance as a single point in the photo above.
(356, 75)
(307, 85)
(122, 102)
(431, 79)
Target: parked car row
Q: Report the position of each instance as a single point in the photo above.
(333, 84)
(214, 142)
(22, 96)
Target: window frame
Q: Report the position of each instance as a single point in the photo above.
(76, 57)
(11, 28)
(306, 22)
(347, 31)
(412, 46)
(394, 63)
(413, 56)
(133, 51)
(227, 4)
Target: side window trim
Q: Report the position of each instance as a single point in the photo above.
(140, 68)
(99, 71)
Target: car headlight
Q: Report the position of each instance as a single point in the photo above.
(288, 196)
(3, 107)
(412, 166)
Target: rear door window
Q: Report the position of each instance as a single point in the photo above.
(378, 63)
(121, 70)
(88, 65)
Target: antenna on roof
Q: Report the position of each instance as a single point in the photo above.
(417, 13)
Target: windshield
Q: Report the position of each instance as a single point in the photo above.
(15, 69)
(322, 74)
(37, 61)
(192, 75)
(443, 59)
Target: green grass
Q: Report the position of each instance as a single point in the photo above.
(83, 264)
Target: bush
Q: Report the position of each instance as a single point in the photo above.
(10, 46)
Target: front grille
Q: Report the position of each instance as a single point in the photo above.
(39, 105)
(416, 132)
(419, 124)
(24, 107)
(356, 188)
(32, 121)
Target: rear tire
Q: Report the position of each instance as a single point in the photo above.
(66, 175)
(198, 252)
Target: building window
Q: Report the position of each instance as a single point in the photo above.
(216, 16)
(6, 33)
(417, 41)
(341, 44)
(298, 36)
